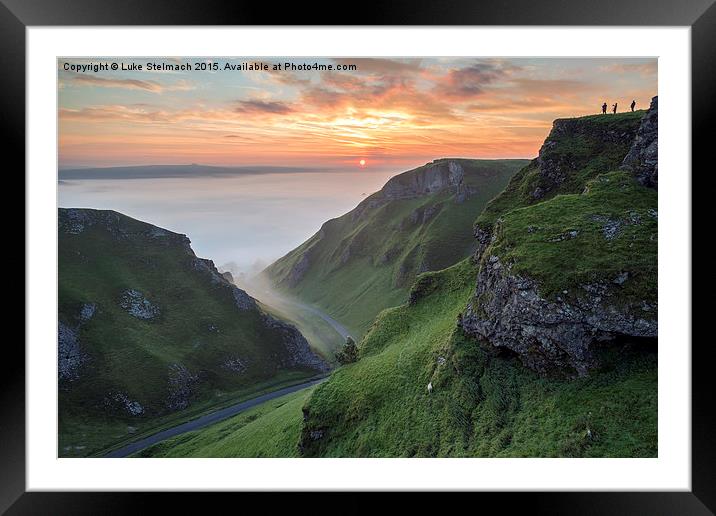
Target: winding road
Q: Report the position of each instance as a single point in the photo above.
(208, 419)
(340, 329)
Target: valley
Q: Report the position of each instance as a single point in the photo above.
(502, 308)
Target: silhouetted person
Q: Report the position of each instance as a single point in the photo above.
(614, 108)
(604, 108)
(633, 104)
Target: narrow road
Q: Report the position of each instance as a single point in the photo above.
(207, 419)
(340, 329)
(272, 298)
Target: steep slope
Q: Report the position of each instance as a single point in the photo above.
(148, 332)
(559, 276)
(483, 403)
(543, 343)
(366, 260)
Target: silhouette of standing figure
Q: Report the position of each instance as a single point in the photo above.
(633, 103)
(614, 108)
(604, 108)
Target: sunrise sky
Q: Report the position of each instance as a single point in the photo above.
(391, 113)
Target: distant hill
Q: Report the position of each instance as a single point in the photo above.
(148, 332)
(366, 260)
(168, 171)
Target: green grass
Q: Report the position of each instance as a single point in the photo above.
(386, 249)
(271, 429)
(198, 327)
(561, 242)
(483, 404)
(587, 146)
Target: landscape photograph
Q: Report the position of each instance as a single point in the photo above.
(357, 257)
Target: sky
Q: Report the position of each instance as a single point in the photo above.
(392, 113)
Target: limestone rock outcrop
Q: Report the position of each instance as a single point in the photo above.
(643, 157)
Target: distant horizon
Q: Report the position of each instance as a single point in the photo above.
(276, 167)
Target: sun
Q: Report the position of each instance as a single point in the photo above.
(362, 163)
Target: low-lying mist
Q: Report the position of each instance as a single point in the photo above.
(240, 219)
(325, 334)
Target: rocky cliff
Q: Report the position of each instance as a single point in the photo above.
(567, 254)
(434, 177)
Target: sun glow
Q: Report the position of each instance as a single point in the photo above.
(362, 163)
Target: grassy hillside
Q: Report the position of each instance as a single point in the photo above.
(570, 219)
(269, 430)
(483, 404)
(148, 331)
(366, 260)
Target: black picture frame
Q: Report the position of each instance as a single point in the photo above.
(17, 15)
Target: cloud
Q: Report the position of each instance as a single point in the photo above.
(340, 94)
(263, 106)
(471, 81)
(115, 112)
(130, 84)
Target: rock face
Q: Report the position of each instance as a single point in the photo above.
(69, 354)
(134, 302)
(299, 352)
(437, 176)
(643, 157)
(550, 334)
(120, 402)
(242, 299)
(181, 384)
